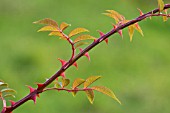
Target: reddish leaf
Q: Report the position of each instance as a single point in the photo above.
(90, 95)
(90, 80)
(106, 91)
(77, 82)
(77, 31)
(86, 54)
(47, 21)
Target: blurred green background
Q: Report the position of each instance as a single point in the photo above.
(138, 72)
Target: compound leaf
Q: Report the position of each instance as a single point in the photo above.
(77, 31)
(48, 28)
(90, 80)
(83, 37)
(90, 95)
(106, 91)
(64, 25)
(77, 82)
(161, 5)
(47, 21)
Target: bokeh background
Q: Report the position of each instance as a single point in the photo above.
(138, 72)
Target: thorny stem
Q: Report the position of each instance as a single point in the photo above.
(69, 63)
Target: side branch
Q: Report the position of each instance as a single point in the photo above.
(70, 62)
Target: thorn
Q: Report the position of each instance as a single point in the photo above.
(102, 34)
(35, 95)
(62, 61)
(63, 75)
(75, 64)
(86, 54)
(39, 85)
(12, 102)
(120, 31)
(141, 13)
(31, 89)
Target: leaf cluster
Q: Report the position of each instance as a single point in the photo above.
(85, 83)
(5, 91)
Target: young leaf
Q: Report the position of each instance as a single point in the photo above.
(83, 37)
(161, 5)
(90, 80)
(119, 16)
(47, 21)
(3, 84)
(131, 31)
(112, 16)
(8, 90)
(65, 82)
(56, 33)
(77, 82)
(140, 11)
(106, 91)
(90, 95)
(115, 15)
(80, 44)
(77, 31)
(137, 27)
(165, 18)
(9, 95)
(48, 28)
(64, 25)
(74, 93)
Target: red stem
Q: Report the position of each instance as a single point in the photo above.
(70, 62)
